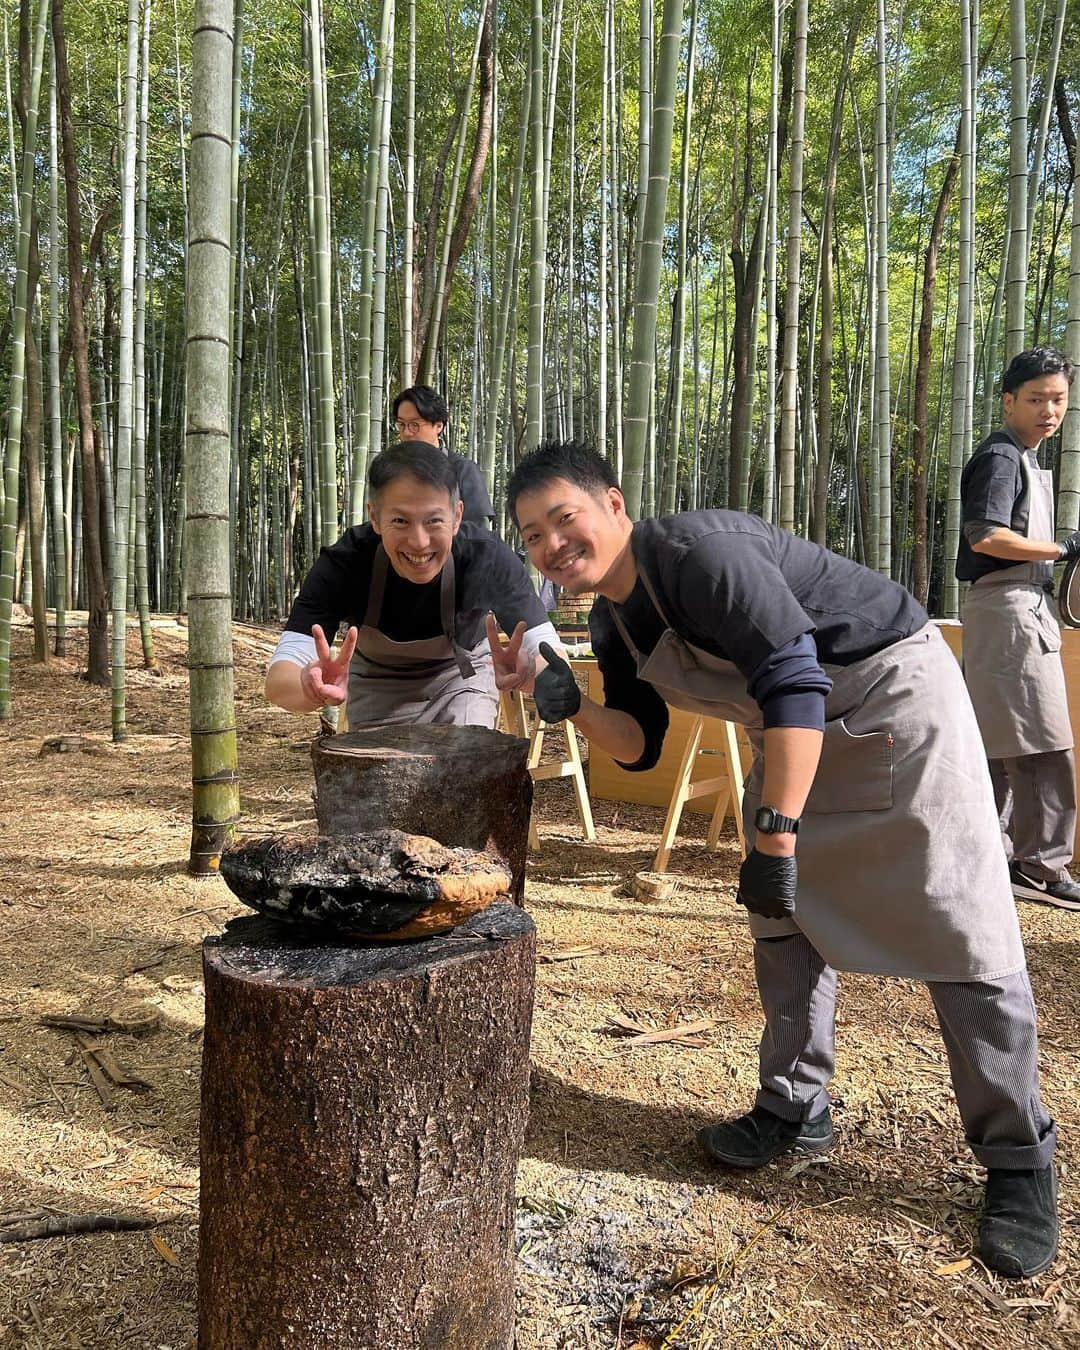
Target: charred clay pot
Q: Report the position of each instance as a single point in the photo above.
(377, 885)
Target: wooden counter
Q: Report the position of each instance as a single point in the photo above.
(653, 788)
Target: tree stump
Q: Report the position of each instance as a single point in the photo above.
(464, 786)
(363, 1110)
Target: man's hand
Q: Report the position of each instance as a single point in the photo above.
(326, 679)
(514, 669)
(1070, 546)
(767, 884)
(556, 693)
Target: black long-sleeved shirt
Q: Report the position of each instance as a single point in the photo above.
(776, 606)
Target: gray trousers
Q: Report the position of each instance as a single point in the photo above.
(1036, 802)
(989, 1031)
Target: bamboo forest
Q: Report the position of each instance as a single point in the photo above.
(486, 1068)
(768, 257)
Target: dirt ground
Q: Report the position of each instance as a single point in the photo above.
(626, 1238)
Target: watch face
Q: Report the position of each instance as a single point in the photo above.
(765, 819)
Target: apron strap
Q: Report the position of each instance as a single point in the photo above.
(651, 593)
(624, 634)
(448, 611)
(447, 606)
(377, 588)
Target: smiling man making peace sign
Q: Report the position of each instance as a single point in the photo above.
(415, 585)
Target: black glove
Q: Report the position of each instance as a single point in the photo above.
(555, 691)
(767, 884)
(1070, 546)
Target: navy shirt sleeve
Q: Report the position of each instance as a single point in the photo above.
(790, 687)
(623, 690)
(734, 580)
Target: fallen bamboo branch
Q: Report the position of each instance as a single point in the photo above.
(66, 1225)
(636, 1033)
(132, 1026)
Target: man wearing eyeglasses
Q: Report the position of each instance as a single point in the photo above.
(420, 414)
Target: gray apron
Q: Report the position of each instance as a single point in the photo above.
(1012, 643)
(901, 869)
(427, 680)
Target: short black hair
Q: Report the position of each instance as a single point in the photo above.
(428, 402)
(576, 461)
(1033, 364)
(418, 458)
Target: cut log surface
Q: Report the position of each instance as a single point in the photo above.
(466, 787)
(363, 1110)
(376, 885)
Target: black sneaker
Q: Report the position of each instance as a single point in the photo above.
(1064, 892)
(758, 1137)
(1018, 1232)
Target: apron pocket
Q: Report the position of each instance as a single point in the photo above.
(855, 772)
(1049, 630)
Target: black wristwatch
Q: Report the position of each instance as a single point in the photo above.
(769, 821)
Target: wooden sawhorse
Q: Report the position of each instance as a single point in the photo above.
(727, 786)
(526, 721)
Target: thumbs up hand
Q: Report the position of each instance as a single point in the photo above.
(555, 691)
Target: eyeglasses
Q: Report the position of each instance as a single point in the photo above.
(410, 428)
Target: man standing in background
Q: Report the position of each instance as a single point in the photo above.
(420, 414)
(1012, 640)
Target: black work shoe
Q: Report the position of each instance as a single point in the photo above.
(760, 1135)
(1064, 892)
(1018, 1231)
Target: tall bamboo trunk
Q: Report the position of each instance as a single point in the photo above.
(768, 475)
(32, 445)
(365, 306)
(604, 204)
(678, 321)
(920, 408)
(826, 333)
(794, 261)
(409, 228)
(1068, 506)
(641, 375)
(93, 560)
(58, 513)
(883, 378)
(1017, 267)
(18, 363)
(534, 376)
(378, 300)
(125, 389)
(324, 340)
(215, 796)
(501, 333)
(138, 462)
(963, 376)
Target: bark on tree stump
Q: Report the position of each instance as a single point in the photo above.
(363, 1110)
(464, 786)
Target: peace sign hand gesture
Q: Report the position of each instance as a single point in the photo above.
(513, 668)
(326, 679)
